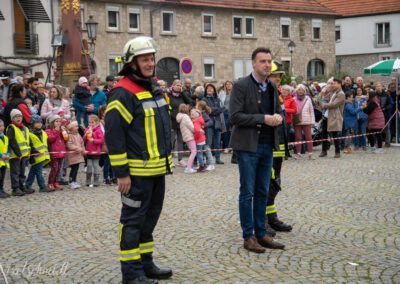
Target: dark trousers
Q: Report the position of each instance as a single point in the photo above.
(255, 173)
(17, 173)
(334, 134)
(73, 173)
(2, 177)
(55, 167)
(377, 136)
(36, 171)
(273, 190)
(107, 170)
(139, 215)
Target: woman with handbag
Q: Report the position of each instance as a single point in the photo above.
(303, 121)
(213, 134)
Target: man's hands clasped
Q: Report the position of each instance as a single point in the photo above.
(273, 120)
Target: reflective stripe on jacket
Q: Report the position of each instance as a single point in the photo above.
(137, 130)
(22, 138)
(40, 148)
(4, 151)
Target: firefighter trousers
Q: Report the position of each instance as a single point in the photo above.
(140, 212)
(274, 188)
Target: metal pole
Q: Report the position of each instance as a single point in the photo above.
(50, 65)
(397, 110)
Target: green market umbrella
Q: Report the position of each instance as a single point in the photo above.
(384, 67)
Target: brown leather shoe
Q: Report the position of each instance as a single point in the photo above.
(269, 242)
(337, 155)
(323, 154)
(252, 245)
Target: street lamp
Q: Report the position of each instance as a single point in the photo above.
(91, 27)
(291, 46)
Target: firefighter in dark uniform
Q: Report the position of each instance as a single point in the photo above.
(272, 220)
(137, 134)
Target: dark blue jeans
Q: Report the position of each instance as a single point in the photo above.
(107, 170)
(226, 136)
(35, 171)
(255, 173)
(213, 140)
(361, 128)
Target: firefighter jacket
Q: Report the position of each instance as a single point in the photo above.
(39, 148)
(4, 151)
(19, 141)
(138, 130)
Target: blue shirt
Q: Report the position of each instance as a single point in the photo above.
(262, 86)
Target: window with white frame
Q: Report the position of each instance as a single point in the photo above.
(285, 27)
(209, 68)
(243, 26)
(337, 33)
(134, 19)
(113, 67)
(237, 26)
(208, 24)
(82, 15)
(383, 34)
(249, 26)
(316, 29)
(167, 22)
(242, 67)
(113, 17)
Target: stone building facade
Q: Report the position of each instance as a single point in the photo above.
(218, 40)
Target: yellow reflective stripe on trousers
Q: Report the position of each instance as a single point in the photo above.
(279, 153)
(271, 209)
(118, 159)
(273, 173)
(127, 255)
(146, 247)
(121, 109)
(151, 134)
(120, 234)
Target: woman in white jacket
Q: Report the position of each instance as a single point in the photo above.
(304, 122)
(187, 131)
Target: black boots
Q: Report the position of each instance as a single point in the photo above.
(154, 272)
(140, 280)
(277, 224)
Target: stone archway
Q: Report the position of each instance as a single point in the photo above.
(167, 69)
(315, 67)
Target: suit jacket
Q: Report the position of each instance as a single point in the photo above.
(246, 117)
(335, 107)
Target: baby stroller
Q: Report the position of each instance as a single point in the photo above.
(316, 133)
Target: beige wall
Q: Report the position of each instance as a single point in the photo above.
(187, 41)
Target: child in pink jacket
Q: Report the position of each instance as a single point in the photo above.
(56, 139)
(93, 139)
(187, 130)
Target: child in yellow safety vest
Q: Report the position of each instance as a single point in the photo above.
(39, 155)
(18, 137)
(4, 157)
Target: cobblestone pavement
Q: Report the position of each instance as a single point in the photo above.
(345, 214)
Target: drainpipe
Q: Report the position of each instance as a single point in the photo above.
(52, 17)
(151, 20)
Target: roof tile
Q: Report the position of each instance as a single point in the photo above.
(348, 8)
(289, 6)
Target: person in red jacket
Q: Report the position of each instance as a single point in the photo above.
(200, 139)
(291, 108)
(376, 121)
(56, 139)
(94, 139)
